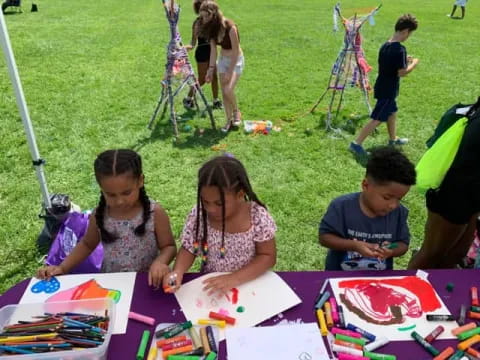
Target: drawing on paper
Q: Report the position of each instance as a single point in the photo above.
(90, 289)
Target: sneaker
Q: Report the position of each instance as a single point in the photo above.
(217, 104)
(188, 103)
(227, 127)
(237, 118)
(357, 149)
(398, 141)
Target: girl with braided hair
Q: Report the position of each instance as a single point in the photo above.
(230, 229)
(135, 230)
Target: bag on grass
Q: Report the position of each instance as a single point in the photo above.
(71, 231)
(436, 161)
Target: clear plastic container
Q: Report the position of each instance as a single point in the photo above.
(11, 314)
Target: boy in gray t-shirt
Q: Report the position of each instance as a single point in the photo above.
(365, 230)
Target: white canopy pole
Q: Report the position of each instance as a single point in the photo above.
(22, 107)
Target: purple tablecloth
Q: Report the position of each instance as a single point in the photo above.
(164, 308)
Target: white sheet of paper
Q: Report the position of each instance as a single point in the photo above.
(391, 331)
(261, 299)
(123, 282)
(281, 342)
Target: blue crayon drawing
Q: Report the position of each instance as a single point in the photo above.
(47, 286)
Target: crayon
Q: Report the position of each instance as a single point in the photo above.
(463, 314)
(216, 316)
(211, 339)
(177, 344)
(469, 333)
(348, 344)
(474, 295)
(358, 341)
(172, 282)
(341, 317)
(321, 322)
(460, 329)
(211, 356)
(433, 317)
(328, 314)
(376, 356)
(426, 345)
(434, 334)
(379, 342)
(142, 318)
(392, 245)
(473, 315)
(178, 329)
(219, 323)
(322, 299)
(343, 356)
(183, 357)
(197, 343)
(175, 351)
(204, 338)
(194, 352)
(337, 348)
(143, 345)
(473, 352)
(457, 356)
(350, 333)
(152, 354)
(160, 332)
(464, 345)
(15, 350)
(362, 332)
(162, 342)
(475, 308)
(445, 354)
(334, 306)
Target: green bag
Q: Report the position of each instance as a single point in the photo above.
(436, 161)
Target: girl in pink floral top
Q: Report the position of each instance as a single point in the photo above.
(134, 230)
(229, 228)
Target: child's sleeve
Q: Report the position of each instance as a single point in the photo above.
(402, 62)
(265, 227)
(403, 233)
(333, 220)
(188, 234)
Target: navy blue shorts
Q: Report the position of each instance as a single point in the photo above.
(383, 109)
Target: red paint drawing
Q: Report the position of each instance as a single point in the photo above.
(234, 299)
(90, 289)
(388, 301)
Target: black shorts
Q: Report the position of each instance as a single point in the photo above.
(383, 109)
(454, 201)
(202, 53)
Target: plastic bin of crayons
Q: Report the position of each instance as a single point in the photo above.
(12, 314)
(185, 333)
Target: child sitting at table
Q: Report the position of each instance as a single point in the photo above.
(365, 230)
(229, 228)
(134, 230)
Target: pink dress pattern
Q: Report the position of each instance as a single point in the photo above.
(239, 247)
(130, 252)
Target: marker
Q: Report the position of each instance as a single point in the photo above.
(464, 345)
(362, 332)
(460, 329)
(474, 295)
(333, 304)
(203, 336)
(445, 354)
(343, 356)
(178, 329)
(143, 345)
(177, 344)
(219, 323)
(457, 356)
(360, 341)
(350, 333)
(376, 356)
(427, 346)
(473, 315)
(337, 348)
(378, 343)
(341, 317)
(196, 352)
(328, 314)
(197, 343)
(434, 334)
(162, 342)
(348, 344)
(322, 299)
(15, 350)
(160, 332)
(469, 333)
(473, 352)
(216, 316)
(463, 314)
(152, 354)
(432, 317)
(211, 340)
(142, 318)
(211, 356)
(179, 350)
(321, 322)
(183, 357)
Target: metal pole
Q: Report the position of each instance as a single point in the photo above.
(22, 107)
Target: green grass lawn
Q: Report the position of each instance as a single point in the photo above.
(91, 74)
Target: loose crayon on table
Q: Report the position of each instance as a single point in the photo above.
(450, 287)
(348, 344)
(460, 329)
(473, 315)
(197, 343)
(341, 317)
(328, 314)
(179, 350)
(219, 323)
(376, 356)
(162, 342)
(343, 349)
(152, 354)
(436, 317)
(194, 352)
(464, 345)
(463, 314)
(321, 322)
(457, 356)
(474, 296)
(211, 339)
(183, 357)
(378, 343)
(359, 341)
(216, 316)
(467, 334)
(322, 299)
(473, 352)
(434, 334)
(204, 338)
(350, 333)
(178, 329)
(343, 356)
(362, 332)
(166, 329)
(475, 308)
(211, 356)
(426, 345)
(176, 344)
(334, 306)
(445, 354)
(143, 345)
(142, 318)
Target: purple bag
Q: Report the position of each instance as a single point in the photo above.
(73, 228)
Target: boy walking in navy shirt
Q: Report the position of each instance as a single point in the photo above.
(393, 63)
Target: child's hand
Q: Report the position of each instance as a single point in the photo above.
(209, 75)
(188, 47)
(172, 282)
(384, 253)
(220, 284)
(47, 272)
(366, 249)
(156, 273)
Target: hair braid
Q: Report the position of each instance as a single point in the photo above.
(143, 197)
(99, 216)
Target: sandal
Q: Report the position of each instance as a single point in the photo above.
(227, 127)
(237, 118)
